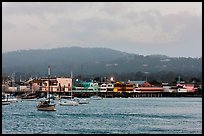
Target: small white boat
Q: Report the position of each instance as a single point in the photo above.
(4, 102)
(9, 98)
(81, 100)
(67, 102)
(13, 99)
(95, 97)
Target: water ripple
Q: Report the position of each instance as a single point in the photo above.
(109, 116)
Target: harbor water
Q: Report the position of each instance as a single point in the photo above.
(167, 115)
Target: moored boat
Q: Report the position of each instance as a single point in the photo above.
(6, 102)
(66, 102)
(96, 97)
(9, 98)
(81, 100)
(45, 105)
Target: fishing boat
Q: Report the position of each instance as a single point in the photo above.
(46, 105)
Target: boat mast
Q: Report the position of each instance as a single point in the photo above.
(49, 82)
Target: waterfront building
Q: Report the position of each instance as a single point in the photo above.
(189, 87)
(123, 87)
(57, 84)
(140, 83)
(103, 87)
(12, 89)
(110, 87)
(85, 86)
(118, 87)
(90, 86)
(148, 89)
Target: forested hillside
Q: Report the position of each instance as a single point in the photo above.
(94, 61)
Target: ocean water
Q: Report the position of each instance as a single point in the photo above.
(179, 115)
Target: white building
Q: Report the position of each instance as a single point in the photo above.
(103, 88)
(60, 84)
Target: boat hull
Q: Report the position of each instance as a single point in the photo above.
(6, 102)
(96, 98)
(47, 108)
(83, 102)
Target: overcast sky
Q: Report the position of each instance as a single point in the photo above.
(173, 29)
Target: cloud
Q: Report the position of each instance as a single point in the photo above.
(144, 25)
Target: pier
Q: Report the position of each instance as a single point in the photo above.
(135, 95)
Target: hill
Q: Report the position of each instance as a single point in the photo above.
(92, 61)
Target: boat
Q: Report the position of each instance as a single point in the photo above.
(96, 97)
(29, 97)
(13, 99)
(46, 105)
(9, 98)
(5, 102)
(67, 102)
(81, 100)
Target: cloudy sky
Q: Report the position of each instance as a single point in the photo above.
(172, 29)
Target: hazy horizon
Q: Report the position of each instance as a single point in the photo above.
(144, 28)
